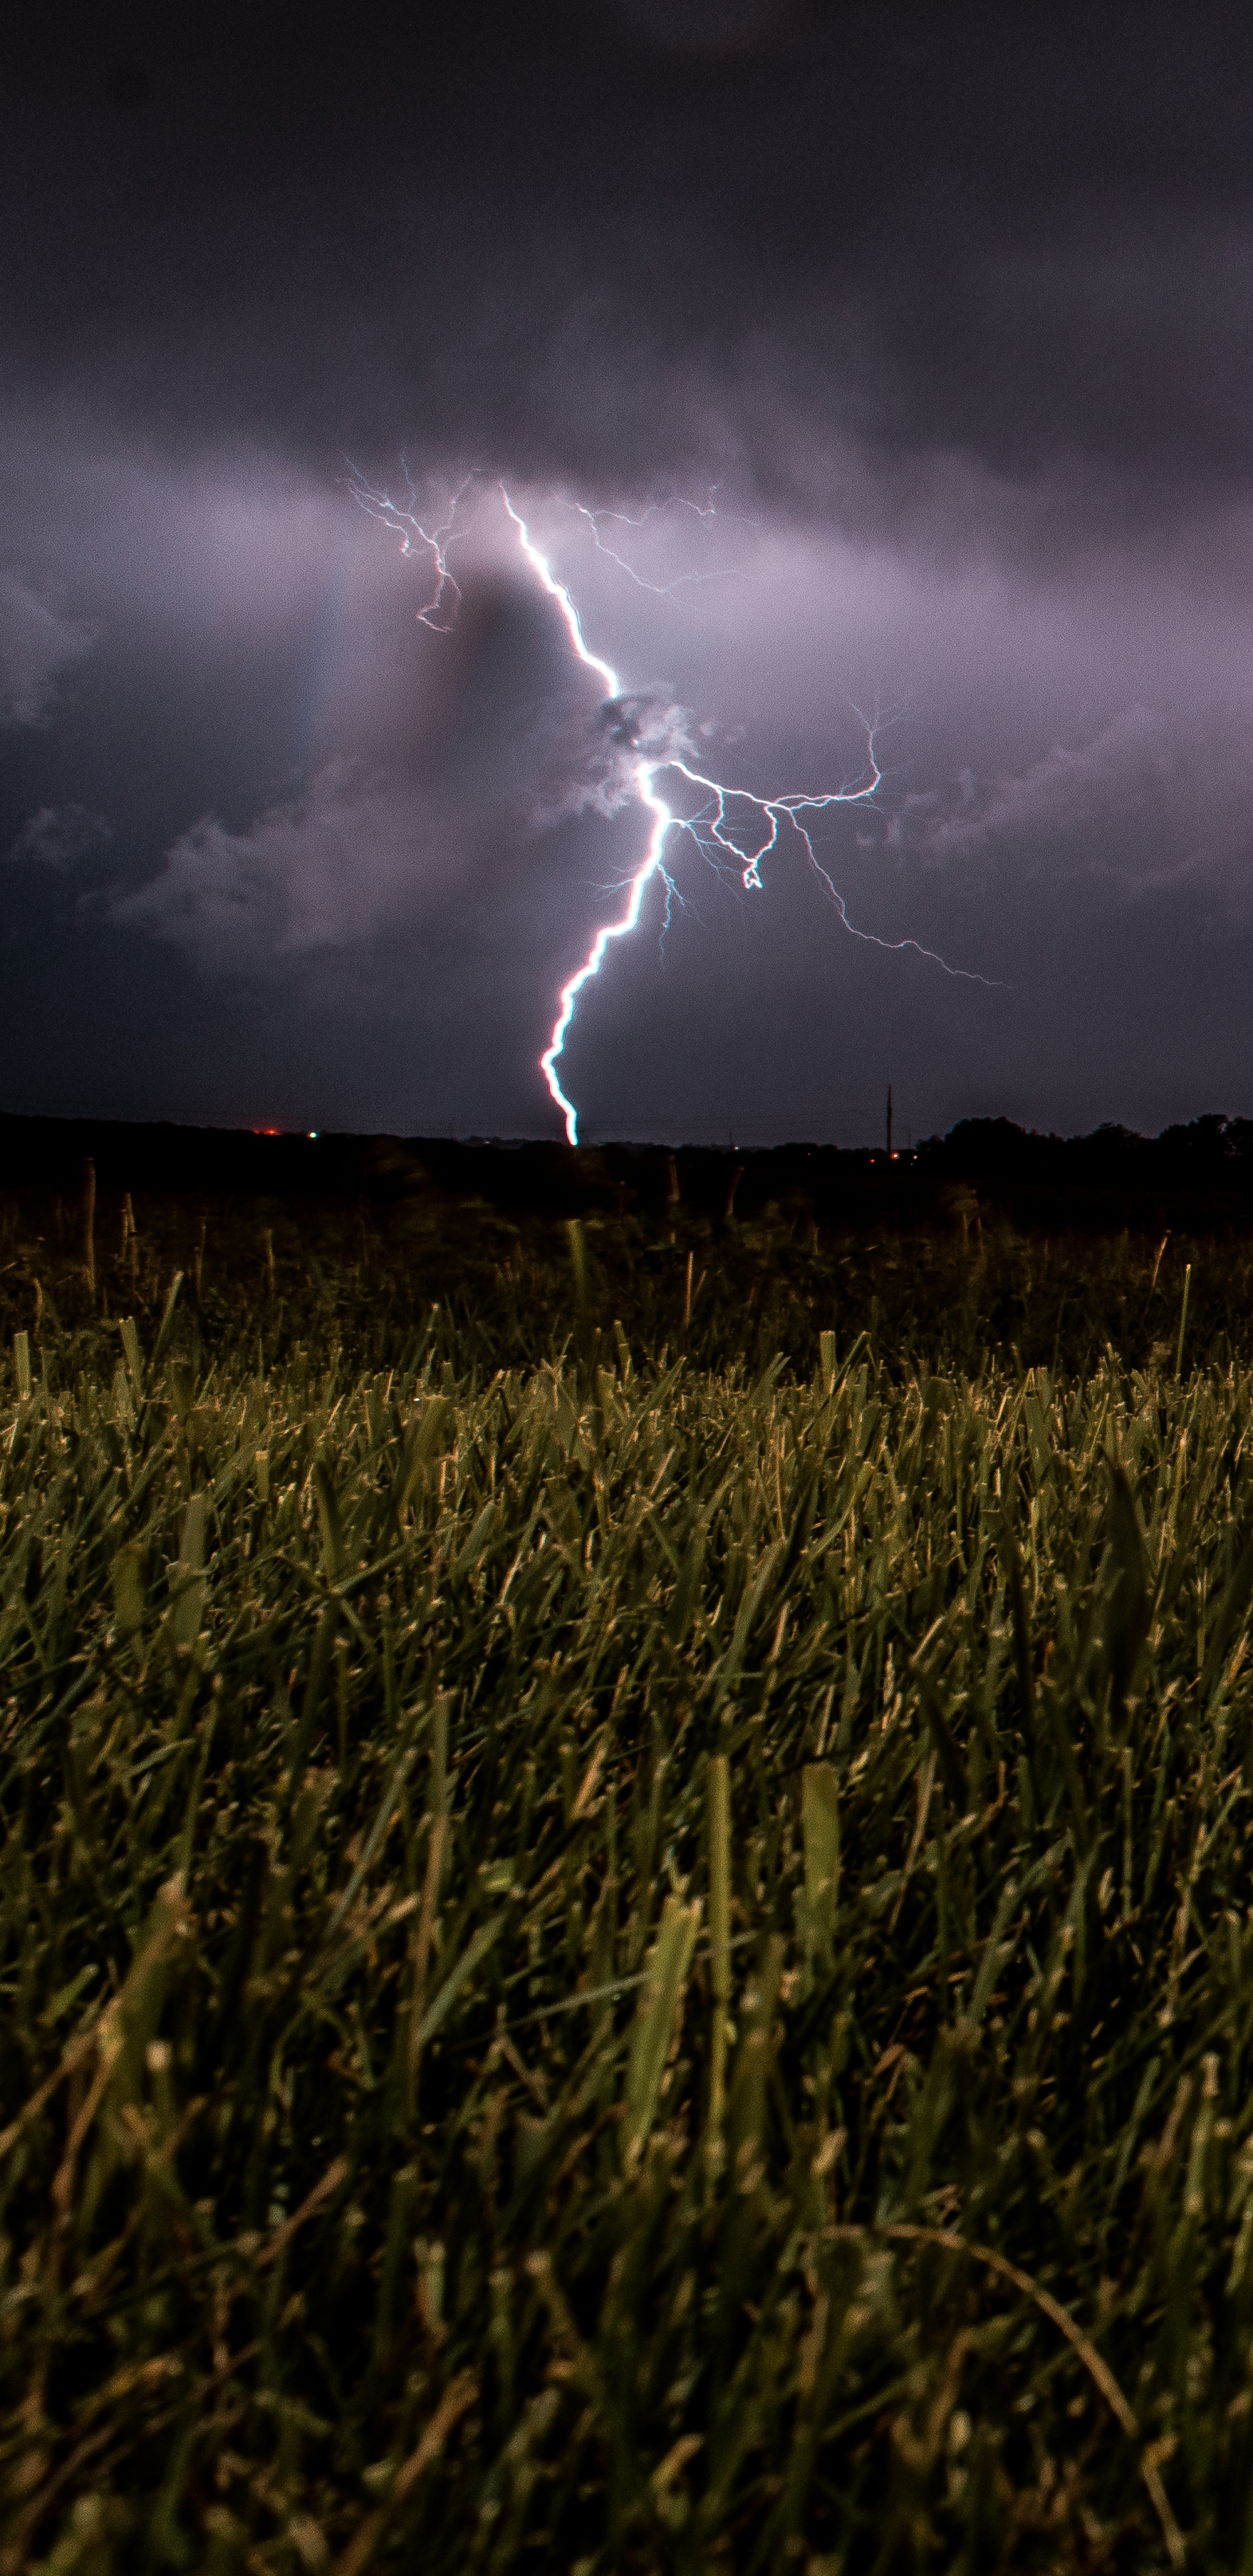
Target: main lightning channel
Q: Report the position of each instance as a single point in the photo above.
(652, 863)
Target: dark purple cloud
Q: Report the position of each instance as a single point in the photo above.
(952, 310)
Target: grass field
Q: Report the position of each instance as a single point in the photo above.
(626, 1935)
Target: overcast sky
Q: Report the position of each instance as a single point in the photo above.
(843, 360)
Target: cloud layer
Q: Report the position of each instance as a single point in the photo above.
(861, 358)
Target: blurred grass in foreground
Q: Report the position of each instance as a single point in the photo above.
(625, 1928)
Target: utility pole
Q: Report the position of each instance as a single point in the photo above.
(889, 1122)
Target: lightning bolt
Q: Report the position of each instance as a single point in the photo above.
(663, 821)
(440, 610)
(712, 826)
(595, 519)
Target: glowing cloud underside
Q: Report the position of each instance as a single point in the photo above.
(711, 827)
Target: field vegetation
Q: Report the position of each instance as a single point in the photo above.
(626, 1937)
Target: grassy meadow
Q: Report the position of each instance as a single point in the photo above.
(626, 1926)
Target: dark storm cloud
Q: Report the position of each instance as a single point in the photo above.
(955, 309)
(915, 232)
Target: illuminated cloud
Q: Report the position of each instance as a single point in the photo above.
(329, 869)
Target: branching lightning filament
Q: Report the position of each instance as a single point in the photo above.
(441, 609)
(732, 827)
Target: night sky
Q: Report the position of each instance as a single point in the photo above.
(917, 343)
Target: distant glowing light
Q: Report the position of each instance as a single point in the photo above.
(718, 835)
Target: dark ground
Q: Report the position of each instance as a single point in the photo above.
(1194, 1180)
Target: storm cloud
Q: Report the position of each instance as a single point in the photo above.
(843, 359)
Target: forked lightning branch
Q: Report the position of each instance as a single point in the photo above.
(732, 827)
